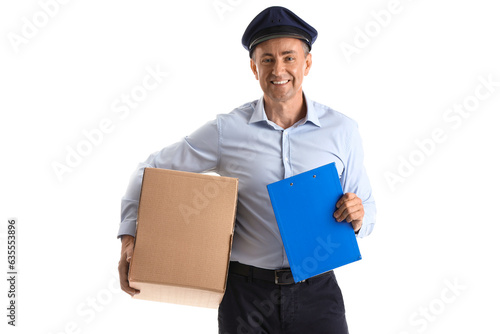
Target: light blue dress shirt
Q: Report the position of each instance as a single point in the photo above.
(245, 144)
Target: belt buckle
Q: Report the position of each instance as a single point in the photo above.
(277, 277)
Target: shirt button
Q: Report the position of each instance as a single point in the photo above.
(286, 159)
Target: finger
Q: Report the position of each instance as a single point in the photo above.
(349, 204)
(124, 284)
(123, 267)
(340, 201)
(342, 214)
(356, 210)
(349, 196)
(349, 213)
(340, 210)
(128, 289)
(346, 198)
(354, 216)
(125, 287)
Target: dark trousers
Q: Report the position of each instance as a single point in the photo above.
(252, 306)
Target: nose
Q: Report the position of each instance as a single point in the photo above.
(279, 67)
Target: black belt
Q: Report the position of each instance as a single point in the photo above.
(278, 276)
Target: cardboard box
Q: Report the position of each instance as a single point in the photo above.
(185, 227)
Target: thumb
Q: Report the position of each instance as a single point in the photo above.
(128, 254)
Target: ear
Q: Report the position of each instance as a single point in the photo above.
(308, 63)
(253, 66)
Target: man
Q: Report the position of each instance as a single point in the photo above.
(282, 134)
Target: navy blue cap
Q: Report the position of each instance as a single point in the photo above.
(275, 22)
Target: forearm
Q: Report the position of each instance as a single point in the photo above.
(195, 153)
(355, 180)
(130, 202)
(127, 240)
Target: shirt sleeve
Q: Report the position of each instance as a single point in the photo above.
(355, 180)
(197, 153)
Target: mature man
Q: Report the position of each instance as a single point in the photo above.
(281, 134)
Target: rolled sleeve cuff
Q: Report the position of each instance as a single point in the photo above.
(368, 221)
(127, 227)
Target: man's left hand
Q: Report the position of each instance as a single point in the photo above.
(350, 208)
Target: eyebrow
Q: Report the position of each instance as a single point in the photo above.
(283, 53)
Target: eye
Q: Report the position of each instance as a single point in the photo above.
(289, 58)
(266, 60)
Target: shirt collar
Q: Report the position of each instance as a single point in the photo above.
(259, 114)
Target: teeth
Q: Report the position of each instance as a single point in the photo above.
(280, 82)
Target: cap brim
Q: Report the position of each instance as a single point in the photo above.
(277, 35)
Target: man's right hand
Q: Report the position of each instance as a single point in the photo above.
(123, 265)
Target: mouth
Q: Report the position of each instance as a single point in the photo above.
(283, 82)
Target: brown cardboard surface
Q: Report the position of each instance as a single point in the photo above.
(185, 224)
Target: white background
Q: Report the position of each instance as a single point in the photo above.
(440, 225)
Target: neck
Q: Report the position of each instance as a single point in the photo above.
(285, 113)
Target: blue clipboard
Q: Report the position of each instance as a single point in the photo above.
(303, 206)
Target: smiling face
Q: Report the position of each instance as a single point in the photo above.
(280, 66)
